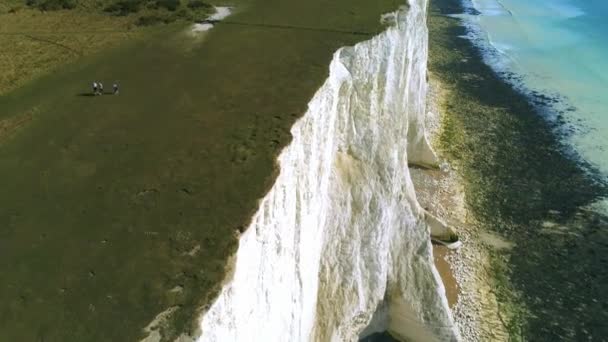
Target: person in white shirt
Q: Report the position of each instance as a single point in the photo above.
(94, 88)
(100, 88)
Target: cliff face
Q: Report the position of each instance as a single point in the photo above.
(339, 247)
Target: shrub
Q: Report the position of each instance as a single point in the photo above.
(149, 20)
(153, 19)
(170, 5)
(124, 7)
(184, 14)
(51, 5)
(197, 4)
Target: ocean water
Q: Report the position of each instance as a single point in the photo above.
(557, 48)
(554, 51)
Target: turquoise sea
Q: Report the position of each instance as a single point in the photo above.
(557, 51)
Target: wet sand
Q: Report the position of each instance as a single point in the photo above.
(462, 271)
(440, 253)
(437, 191)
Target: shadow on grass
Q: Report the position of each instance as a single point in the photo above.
(379, 337)
(93, 95)
(292, 27)
(524, 183)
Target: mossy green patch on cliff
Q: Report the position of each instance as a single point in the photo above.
(523, 183)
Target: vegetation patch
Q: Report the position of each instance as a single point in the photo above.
(170, 5)
(124, 7)
(148, 20)
(198, 4)
(160, 11)
(52, 5)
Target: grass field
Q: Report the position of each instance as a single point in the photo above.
(116, 208)
(36, 42)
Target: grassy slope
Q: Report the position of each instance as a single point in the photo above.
(519, 182)
(103, 197)
(34, 42)
(41, 41)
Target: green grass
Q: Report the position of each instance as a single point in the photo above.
(45, 34)
(171, 10)
(518, 177)
(52, 5)
(103, 197)
(38, 42)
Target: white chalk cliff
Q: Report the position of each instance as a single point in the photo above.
(339, 247)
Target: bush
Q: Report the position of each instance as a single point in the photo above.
(51, 5)
(170, 5)
(198, 4)
(149, 20)
(124, 7)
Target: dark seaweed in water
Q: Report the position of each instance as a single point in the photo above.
(524, 183)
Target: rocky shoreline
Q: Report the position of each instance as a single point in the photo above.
(441, 192)
(528, 232)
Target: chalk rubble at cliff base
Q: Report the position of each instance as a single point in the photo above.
(339, 247)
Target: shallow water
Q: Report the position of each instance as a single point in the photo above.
(557, 48)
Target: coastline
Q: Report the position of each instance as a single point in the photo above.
(528, 202)
(563, 89)
(464, 271)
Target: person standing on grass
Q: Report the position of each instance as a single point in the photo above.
(115, 87)
(94, 88)
(100, 88)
